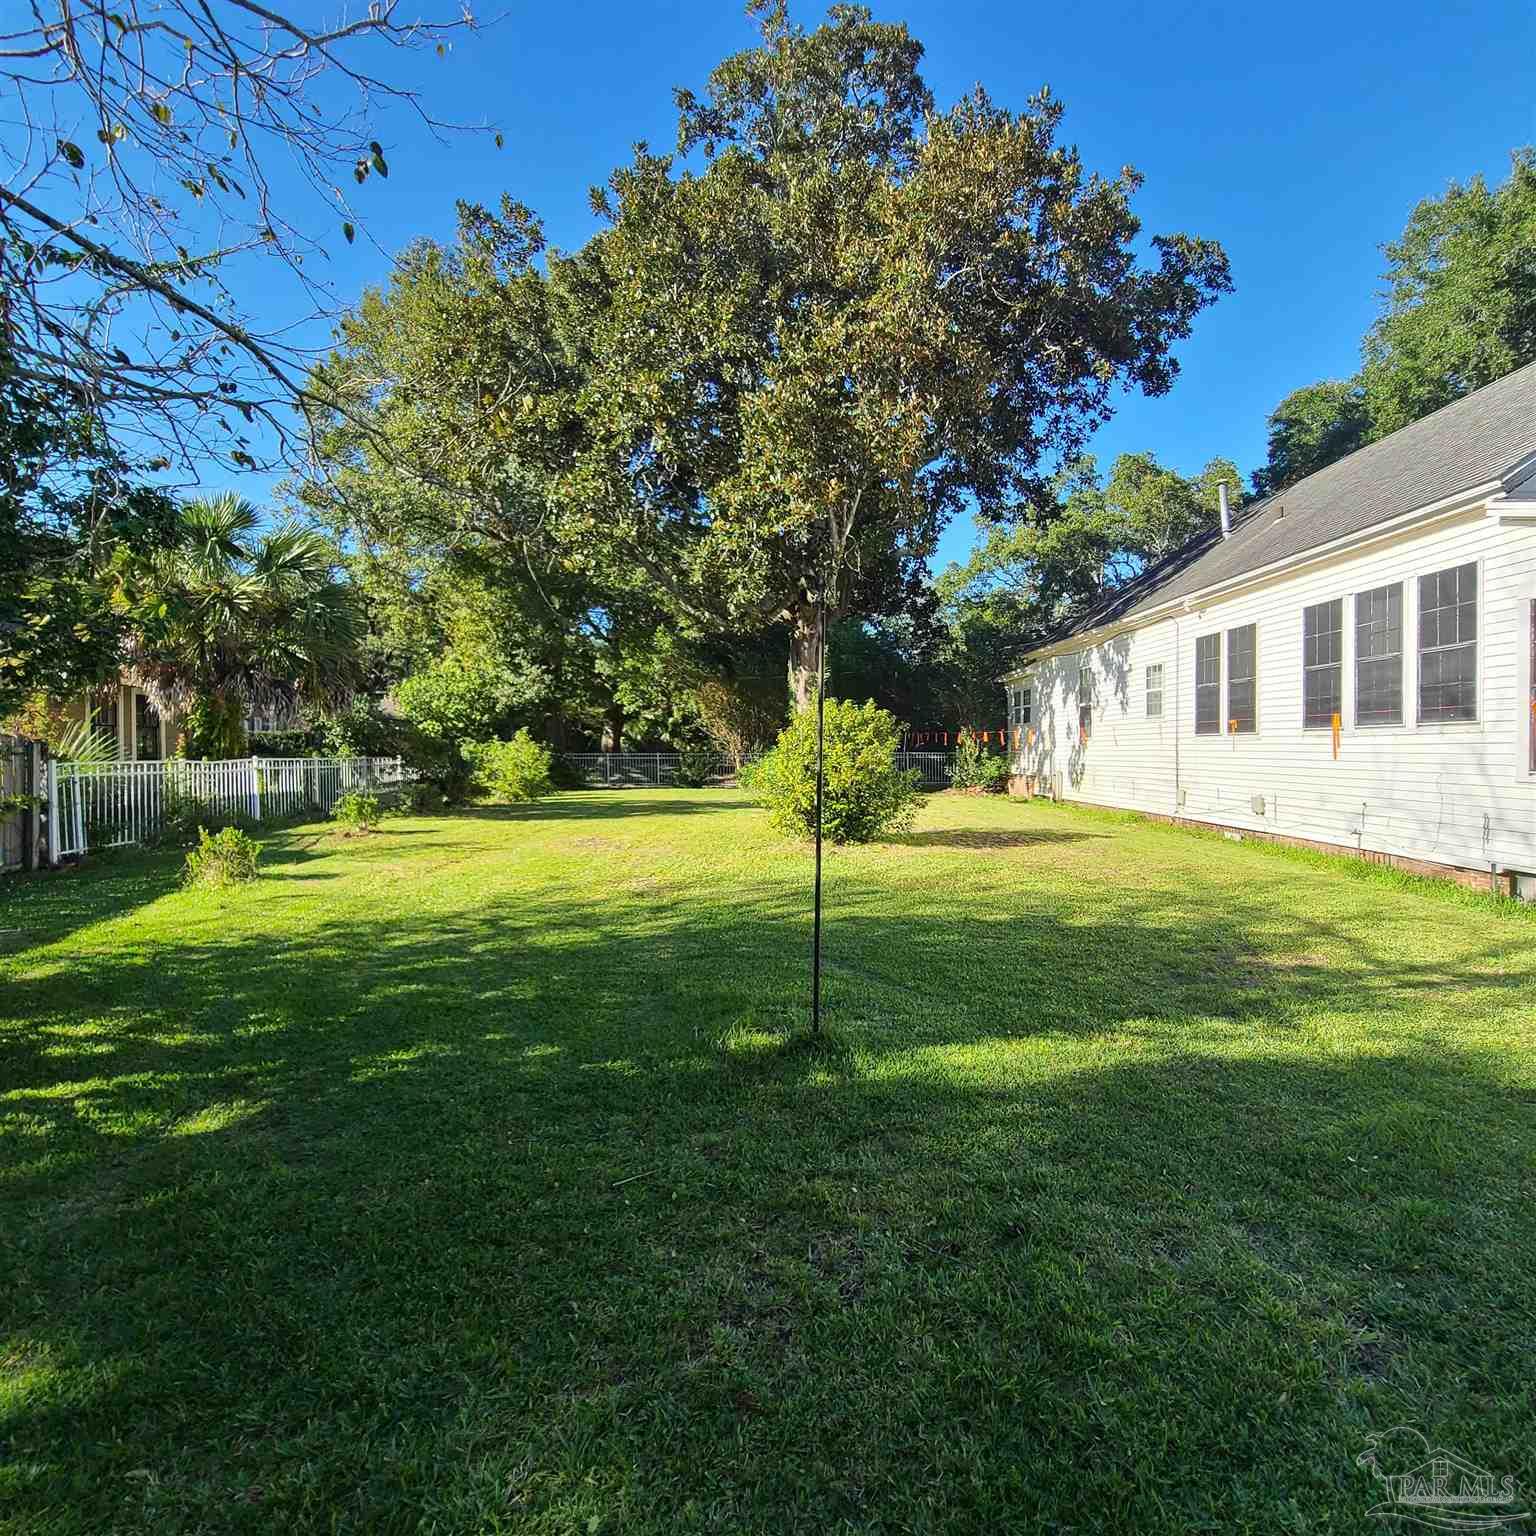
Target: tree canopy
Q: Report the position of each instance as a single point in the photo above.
(1312, 427)
(1098, 534)
(796, 348)
(71, 513)
(1458, 311)
(233, 616)
(1460, 303)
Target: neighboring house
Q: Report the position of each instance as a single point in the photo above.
(1348, 663)
(122, 711)
(262, 722)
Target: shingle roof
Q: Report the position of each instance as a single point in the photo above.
(1474, 440)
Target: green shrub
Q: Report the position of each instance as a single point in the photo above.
(865, 794)
(183, 814)
(695, 767)
(513, 770)
(419, 796)
(301, 742)
(357, 811)
(976, 768)
(562, 775)
(225, 857)
(749, 776)
(365, 729)
(213, 729)
(457, 697)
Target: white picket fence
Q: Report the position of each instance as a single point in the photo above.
(108, 805)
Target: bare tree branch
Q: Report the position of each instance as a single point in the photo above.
(136, 195)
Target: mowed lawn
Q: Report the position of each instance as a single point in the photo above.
(476, 1176)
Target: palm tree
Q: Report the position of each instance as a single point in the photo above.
(234, 618)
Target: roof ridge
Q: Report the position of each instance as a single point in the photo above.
(1470, 442)
(1407, 426)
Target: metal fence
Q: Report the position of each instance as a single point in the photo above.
(934, 766)
(18, 767)
(108, 805)
(614, 770)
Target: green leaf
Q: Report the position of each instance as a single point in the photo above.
(379, 165)
(348, 231)
(500, 141)
(161, 113)
(72, 153)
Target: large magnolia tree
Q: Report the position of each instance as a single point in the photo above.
(795, 349)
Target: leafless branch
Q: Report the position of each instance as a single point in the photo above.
(140, 186)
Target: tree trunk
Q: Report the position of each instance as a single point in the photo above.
(613, 728)
(802, 656)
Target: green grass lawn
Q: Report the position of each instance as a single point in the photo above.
(476, 1176)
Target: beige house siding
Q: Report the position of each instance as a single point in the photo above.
(132, 715)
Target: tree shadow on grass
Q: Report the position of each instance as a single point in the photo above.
(606, 804)
(996, 840)
(546, 1212)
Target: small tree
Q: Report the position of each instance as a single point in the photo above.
(234, 616)
(516, 770)
(740, 714)
(976, 768)
(864, 796)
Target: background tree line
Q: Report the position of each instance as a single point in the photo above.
(599, 493)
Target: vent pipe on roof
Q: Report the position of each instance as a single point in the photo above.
(1226, 510)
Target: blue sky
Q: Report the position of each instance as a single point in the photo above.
(1300, 136)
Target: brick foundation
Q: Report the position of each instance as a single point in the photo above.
(1025, 786)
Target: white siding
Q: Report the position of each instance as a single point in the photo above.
(1455, 793)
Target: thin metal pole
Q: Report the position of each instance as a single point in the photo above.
(821, 700)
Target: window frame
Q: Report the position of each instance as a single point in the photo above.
(1531, 694)
(1215, 728)
(143, 713)
(105, 716)
(1252, 681)
(1158, 692)
(1085, 695)
(1439, 722)
(1310, 667)
(1401, 586)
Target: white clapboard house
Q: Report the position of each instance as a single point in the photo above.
(1347, 663)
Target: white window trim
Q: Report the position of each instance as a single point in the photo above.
(1410, 586)
(1452, 727)
(1227, 733)
(1346, 663)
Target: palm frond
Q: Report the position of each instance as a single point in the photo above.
(82, 742)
